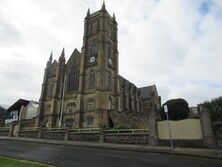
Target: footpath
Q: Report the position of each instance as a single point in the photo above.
(199, 152)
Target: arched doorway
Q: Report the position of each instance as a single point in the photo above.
(111, 124)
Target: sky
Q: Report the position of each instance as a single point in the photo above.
(174, 44)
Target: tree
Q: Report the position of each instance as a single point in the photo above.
(215, 108)
(177, 109)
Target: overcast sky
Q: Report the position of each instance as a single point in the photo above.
(175, 44)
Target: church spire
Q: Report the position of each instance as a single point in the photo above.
(88, 12)
(103, 5)
(51, 57)
(62, 57)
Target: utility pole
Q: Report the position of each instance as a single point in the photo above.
(171, 140)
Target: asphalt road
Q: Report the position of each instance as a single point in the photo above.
(69, 156)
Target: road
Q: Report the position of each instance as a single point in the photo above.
(70, 156)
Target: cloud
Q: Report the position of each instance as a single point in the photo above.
(9, 34)
(174, 44)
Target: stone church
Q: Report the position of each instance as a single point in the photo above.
(87, 91)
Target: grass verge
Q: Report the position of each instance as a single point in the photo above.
(10, 162)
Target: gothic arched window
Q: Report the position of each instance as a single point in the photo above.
(93, 48)
(91, 104)
(50, 89)
(110, 81)
(109, 50)
(110, 103)
(94, 27)
(73, 78)
(89, 121)
(92, 80)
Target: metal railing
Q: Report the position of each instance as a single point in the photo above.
(30, 129)
(85, 130)
(127, 131)
(54, 129)
(4, 128)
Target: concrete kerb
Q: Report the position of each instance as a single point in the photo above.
(206, 153)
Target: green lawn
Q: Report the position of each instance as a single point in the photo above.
(9, 162)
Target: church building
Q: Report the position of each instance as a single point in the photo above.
(87, 91)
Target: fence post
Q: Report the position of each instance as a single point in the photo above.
(40, 132)
(66, 137)
(101, 135)
(10, 130)
(18, 129)
(206, 126)
(153, 138)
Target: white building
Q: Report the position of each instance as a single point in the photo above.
(30, 111)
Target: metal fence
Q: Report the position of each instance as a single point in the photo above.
(89, 130)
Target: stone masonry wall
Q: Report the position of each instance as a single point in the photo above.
(59, 135)
(29, 134)
(91, 137)
(4, 133)
(127, 138)
(129, 119)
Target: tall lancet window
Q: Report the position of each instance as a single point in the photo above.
(110, 81)
(50, 89)
(92, 80)
(108, 50)
(94, 48)
(73, 78)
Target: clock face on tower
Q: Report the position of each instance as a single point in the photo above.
(92, 59)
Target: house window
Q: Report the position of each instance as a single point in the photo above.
(73, 79)
(89, 121)
(92, 80)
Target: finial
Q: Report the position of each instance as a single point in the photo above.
(50, 57)
(63, 52)
(114, 17)
(104, 5)
(88, 12)
(62, 57)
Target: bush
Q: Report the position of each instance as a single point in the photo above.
(177, 109)
(215, 108)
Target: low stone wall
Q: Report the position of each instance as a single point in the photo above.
(4, 132)
(218, 136)
(107, 136)
(29, 134)
(91, 137)
(183, 143)
(59, 135)
(129, 120)
(126, 138)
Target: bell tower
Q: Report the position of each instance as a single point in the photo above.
(100, 64)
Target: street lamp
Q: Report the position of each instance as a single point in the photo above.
(62, 103)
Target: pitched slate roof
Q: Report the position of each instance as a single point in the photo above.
(17, 105)
(146, 92)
